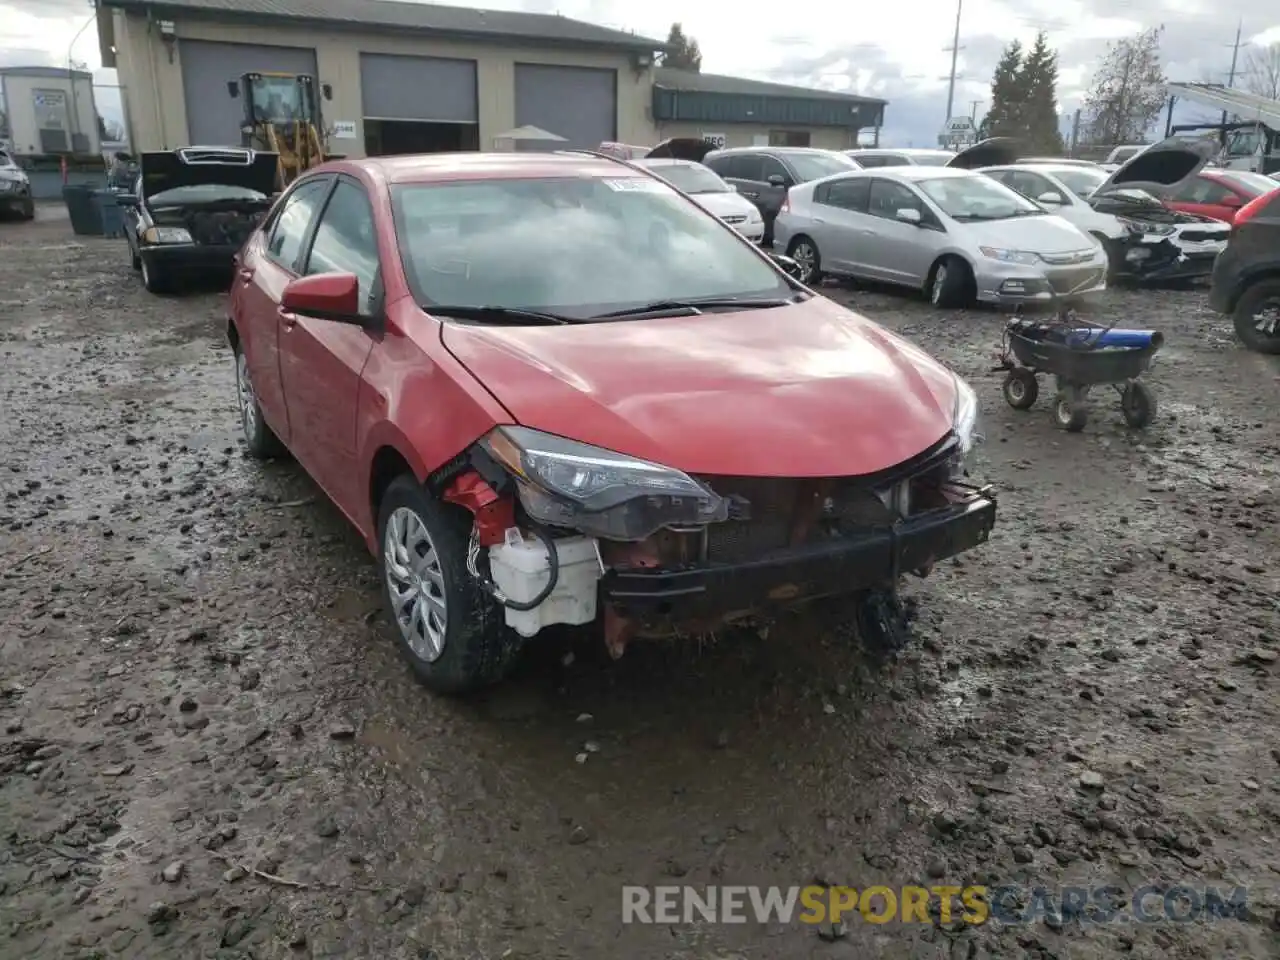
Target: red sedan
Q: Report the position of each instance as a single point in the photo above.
(1219, 193)
(552, 389)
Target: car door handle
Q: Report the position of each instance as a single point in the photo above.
(289, 320)
(751, 196)
(818, 220)
(245, 274)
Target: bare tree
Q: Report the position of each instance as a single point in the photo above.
(1127, 91)
(1262, 71)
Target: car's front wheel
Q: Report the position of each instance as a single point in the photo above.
(259, 439)
(805, 253)
(154, 278)
(951, 284)
(451, 631)
(1257, 317)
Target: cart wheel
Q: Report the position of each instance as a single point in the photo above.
(1138, 404)
(1071, 409)
(1021, 388)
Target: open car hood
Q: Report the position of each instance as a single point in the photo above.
(680, 148)
(192, 166)
(992, 152)
(1162, 166)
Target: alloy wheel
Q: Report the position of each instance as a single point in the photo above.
(245, 395)
(415, 583)
(1266, 319)
(805, 256)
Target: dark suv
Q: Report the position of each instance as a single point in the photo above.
(1246, 275)
(764, 174)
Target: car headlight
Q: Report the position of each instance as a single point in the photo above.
(564, 483)
(166, 235)
(966, 419)
(1011, 256)
(1140, 226)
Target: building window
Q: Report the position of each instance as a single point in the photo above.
(788, 138)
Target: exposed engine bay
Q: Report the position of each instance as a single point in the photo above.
(751, 544)
(1159, 243)
(216, 223)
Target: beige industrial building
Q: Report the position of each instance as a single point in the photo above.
(47, 111)
(410, 77)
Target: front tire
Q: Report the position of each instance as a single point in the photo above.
(951, 284)
(450, 630)
(1257, 317)
(259, 439)
(28, 212)
(1071, 409)
(1021, 388)
(805, 253)
(154, 279)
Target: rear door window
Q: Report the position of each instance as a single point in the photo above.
(747, 166)
(849, 194)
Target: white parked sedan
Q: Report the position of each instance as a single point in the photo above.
(706, 189)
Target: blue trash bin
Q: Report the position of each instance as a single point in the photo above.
(82, 209)
(112, 214)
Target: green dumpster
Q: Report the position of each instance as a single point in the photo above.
(82, 207)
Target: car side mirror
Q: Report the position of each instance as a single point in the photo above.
(776, 180)
(1051, 197)
(325, 296)
(907, 215)
(789, 266)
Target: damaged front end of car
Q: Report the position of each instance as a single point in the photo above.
(567, 533)
(1160, 244)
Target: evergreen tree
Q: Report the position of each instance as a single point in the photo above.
(682, 51)
(1038, 82)
(1003, 117)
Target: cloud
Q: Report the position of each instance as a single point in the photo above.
(895, 51)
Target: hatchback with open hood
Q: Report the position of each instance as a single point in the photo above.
(552, 389)
(193, 210)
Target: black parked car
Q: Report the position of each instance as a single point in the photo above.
(764, 174)
(1246, 275)
(193, 208)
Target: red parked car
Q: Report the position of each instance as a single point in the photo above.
(551, 389)
(1219, 193)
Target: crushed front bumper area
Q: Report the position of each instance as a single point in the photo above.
(1138, 259)
(711, 591)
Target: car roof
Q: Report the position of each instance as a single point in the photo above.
(922, 173)
(903, 152)
(429, 167)
(664, 162)
(1050, 168)
(783, 150)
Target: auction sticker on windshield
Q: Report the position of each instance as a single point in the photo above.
(638, 185)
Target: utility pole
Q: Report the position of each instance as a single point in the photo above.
(973, 110)
(1075, 132)
(1235, 56)
(955, 52)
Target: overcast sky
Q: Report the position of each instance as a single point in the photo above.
(889, 50)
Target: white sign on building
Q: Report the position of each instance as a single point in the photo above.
(716, 140)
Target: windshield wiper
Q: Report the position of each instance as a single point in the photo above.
(498, 315)
(697, 304)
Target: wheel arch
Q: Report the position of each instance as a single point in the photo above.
(1249, 281)
(949, 255)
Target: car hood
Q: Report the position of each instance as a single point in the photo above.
(725, 204)
(192, 166)
(806, 390)
(1039, 234)
(1161, 166)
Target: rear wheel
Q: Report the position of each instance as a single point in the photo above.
(259, 439)
(450, 630)
(1137, 404)
(28, 211)
(805, 253)
(1071, 409)
(1257, 317)
(951, 284)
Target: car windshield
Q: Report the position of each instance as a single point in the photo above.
(1081, 181)
(574, 246)
(1253, 183)
(977, 198)
(203, 193)
(690, 177)
(815, 166)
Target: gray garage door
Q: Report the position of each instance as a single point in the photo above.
(577, 103)
(418, 88)
(213, 115)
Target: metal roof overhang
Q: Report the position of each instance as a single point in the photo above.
(1246, 106)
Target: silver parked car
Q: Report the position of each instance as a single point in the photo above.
(906, 157)
(707, 190)
(950, 232)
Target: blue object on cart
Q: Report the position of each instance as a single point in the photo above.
(1102, 337)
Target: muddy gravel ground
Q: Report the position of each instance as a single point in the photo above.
(210, 747)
